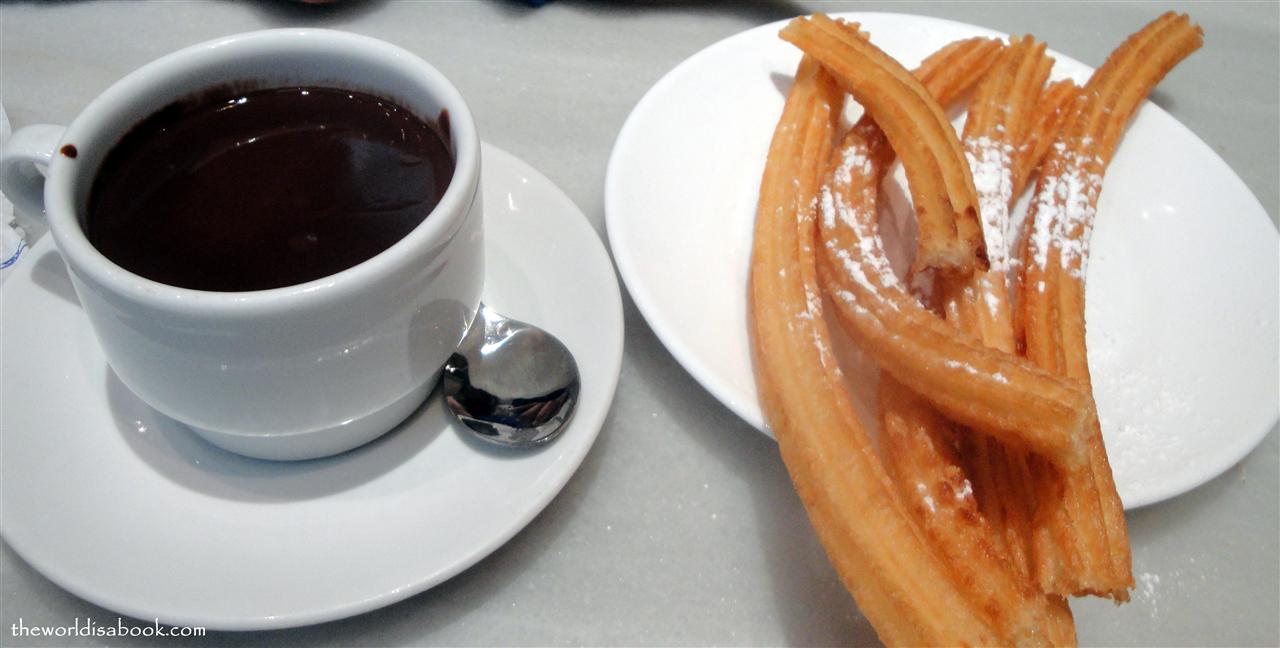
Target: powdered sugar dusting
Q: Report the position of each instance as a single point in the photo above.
(854, 156)
(813, 301)
(813, 314)
(871, 269)
(990, 161)
(1064, 205)
(810, 313)
(1148, 583)
(992, 301)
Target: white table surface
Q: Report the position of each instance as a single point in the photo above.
(681, 527)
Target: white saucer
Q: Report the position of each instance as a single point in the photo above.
(1182, 293)
(134, 513)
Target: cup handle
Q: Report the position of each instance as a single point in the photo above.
(21, 181)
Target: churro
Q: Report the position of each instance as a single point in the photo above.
(900, 584)
(1051, 111)
(996, 392)
(987, 549)
(1077, 553)
(949, 236)
(994, 499)
(946, 75)
(920, 452)
(1002, 118)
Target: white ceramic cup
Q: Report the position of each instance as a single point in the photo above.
(297, 372)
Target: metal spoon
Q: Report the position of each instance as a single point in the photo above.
(513, 384)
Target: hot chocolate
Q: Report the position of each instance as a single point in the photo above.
(250, 190)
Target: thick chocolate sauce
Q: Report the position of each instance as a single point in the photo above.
(252, 190)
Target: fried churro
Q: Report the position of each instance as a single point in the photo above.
(1051, 111)
(1075, 554)
(988, 549)
(949, 237)
(989, 497)
(921, 455)
(900, 584)
(1001, 118)
(998, 393)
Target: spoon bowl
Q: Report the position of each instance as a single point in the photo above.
(511, 383)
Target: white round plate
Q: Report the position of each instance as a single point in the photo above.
(1182, 293)
(134, 513)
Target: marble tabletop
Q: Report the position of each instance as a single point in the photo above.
(681, 527)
